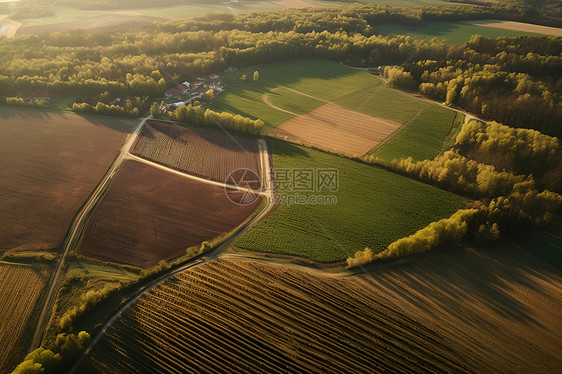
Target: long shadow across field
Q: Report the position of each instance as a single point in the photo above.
(8, 113)
(485, 276)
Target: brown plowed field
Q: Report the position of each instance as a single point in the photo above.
(150, 215)
(49, 164)
(336, 129)
(208, 154)
(460, 311)
(20, 288)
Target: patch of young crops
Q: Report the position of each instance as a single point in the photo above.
(205, 153)
(374, 208)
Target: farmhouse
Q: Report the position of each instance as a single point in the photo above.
(41, 95)
(218, 89)
(36, 95)
(180, 89)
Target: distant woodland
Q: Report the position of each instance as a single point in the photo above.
(515, 81)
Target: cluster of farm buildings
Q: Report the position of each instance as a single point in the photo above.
(184, 93)
(188, 92)
(36, 95)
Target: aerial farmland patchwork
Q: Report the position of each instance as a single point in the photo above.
(293, 186)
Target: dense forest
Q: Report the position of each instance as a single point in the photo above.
(547, 12)
(507, 172)
(511, 80)
(515, 81)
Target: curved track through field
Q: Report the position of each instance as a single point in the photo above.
(75, 230)
(79, 222)
(266, 191)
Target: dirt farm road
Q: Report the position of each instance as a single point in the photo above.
(75, 231)
(80, 220)
(202, 258)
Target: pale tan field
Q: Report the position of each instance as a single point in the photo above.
(119, 21)
(293, 4)
(518, 26)
(336, 129)
(458, 311)
(20, 288)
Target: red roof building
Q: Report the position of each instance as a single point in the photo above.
(180, 89)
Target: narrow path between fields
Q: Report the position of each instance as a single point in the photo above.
(262, 149)
(265, 99)
(80, 220)
(202, 258)
(75, 230)
(305, 94)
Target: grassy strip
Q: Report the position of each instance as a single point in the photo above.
(323, 79)
(424, 136)
(383, 102)
(455, 33)
(29, 256)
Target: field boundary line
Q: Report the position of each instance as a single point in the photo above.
(265, 99)
(304, 94)
(75, 231)
(133, 157)
(397, 131)
(199, 260)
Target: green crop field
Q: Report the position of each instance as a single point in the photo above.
(426, 125)
(396, 207)
(383, 102)
(455, 33)
(321, 79)
(293, 101)
(423, 136)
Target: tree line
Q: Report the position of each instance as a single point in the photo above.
(515, 81)
(510, 80)
(196, 115)
(505, 203)
(59, 355)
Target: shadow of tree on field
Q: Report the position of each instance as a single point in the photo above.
(30, 115)
(489, 278)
